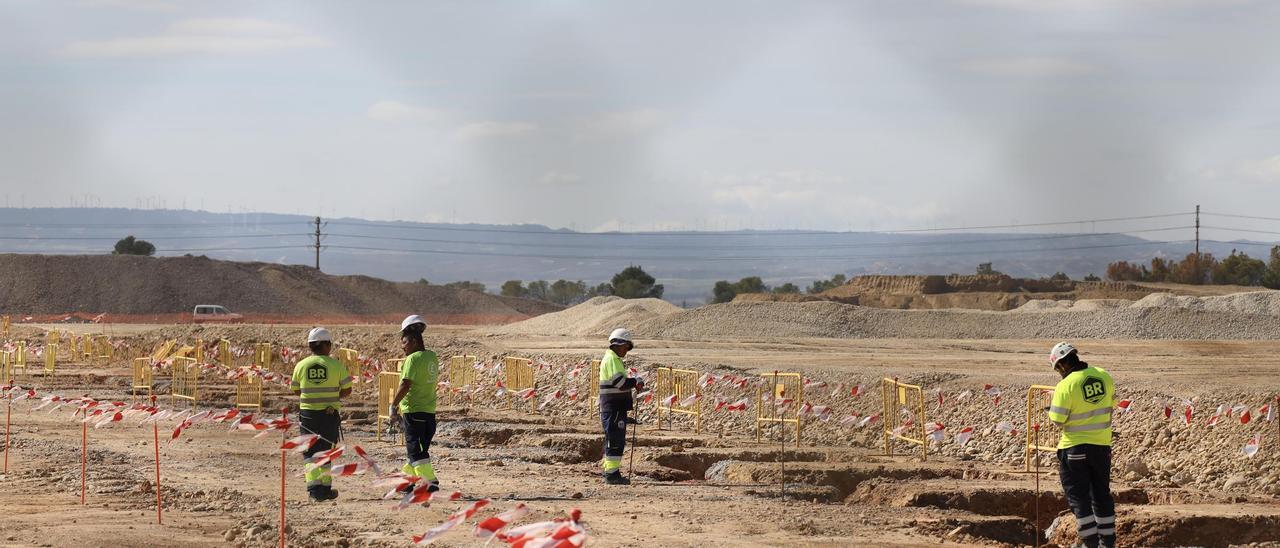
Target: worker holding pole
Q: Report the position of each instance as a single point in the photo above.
(415, 401)
(320, 382)
(1081, 407)
(615, 402)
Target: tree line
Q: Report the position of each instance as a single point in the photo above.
(631, 283)
(724, 291)
(1238, 268)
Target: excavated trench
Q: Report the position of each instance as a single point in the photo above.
(977, 505)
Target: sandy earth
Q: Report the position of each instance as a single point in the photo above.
(223, 488)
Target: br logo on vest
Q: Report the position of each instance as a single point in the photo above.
(1094, 389)
(318, 373)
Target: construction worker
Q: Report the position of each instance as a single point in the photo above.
(415, 401)
(1081, 407)
(615, 402)
(320, 382)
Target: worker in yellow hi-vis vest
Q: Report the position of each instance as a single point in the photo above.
(1081, 407)
(320, 382)
(615, 402)
(415, 401)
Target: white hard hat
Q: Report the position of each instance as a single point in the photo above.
(414, 319)
(620, 335)
(319, 334)
(1060, 350)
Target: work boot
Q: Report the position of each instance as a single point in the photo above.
(328, 493)
(433, 486)
(406, 489)
(615, 478)
(317, 494)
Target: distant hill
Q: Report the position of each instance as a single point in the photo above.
(688, 264)
(131, 285)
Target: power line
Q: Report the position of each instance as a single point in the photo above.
(724, 246)
(158, 238)
(1234, 216)
(744, 258)
(152, 225)
(1243, 230)
(748, 233)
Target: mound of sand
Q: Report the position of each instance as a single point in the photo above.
(1252, 302)
(596, 317)
(1045, 305)
(750, 320)
(121, 284)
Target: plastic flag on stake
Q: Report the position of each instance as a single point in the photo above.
(962, 438)
(491, 526)
(1251, 448)
(869, 420)
(1123, 406)
(453, 520)
(299, 444)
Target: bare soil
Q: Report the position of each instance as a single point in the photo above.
(717, 487)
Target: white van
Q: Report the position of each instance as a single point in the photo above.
(214, 313)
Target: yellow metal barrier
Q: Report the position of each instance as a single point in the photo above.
(1030, 447)
(50, 359)
(143, 377)
(86, 343)
(249, 392)
(897, 397)
(683, 384)
(103, 349)
(19, 358)
(780, 397)
(163, 351)
(351, 360)
(519, 372)
(186, 380)
(183, 352)
(396, 363)
(388, 383)
(53, 337)
(6, 367)
(593, 384)
(224, 353)
(199, 350)
(262, 356)
(462, 371)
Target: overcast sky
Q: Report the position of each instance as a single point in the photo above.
(597, 115)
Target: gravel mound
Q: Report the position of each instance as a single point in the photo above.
(836, 320)
(1253, 302)
(596, 317)
(1045, 305)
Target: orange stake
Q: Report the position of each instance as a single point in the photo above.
(1037, 457)
(283, 465)
(84, 459)
(155, 431)
(7, 411)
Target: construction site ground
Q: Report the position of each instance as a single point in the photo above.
(717, 488)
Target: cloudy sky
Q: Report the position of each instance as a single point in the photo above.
(636, 115)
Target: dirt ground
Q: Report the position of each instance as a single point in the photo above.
(717, 488)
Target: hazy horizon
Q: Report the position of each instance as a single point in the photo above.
(716, 115)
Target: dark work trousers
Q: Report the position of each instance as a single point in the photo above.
(1085, 471)
(615, 439)
(324, 423)
(419, 430)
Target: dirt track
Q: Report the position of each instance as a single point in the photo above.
(840, 489)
